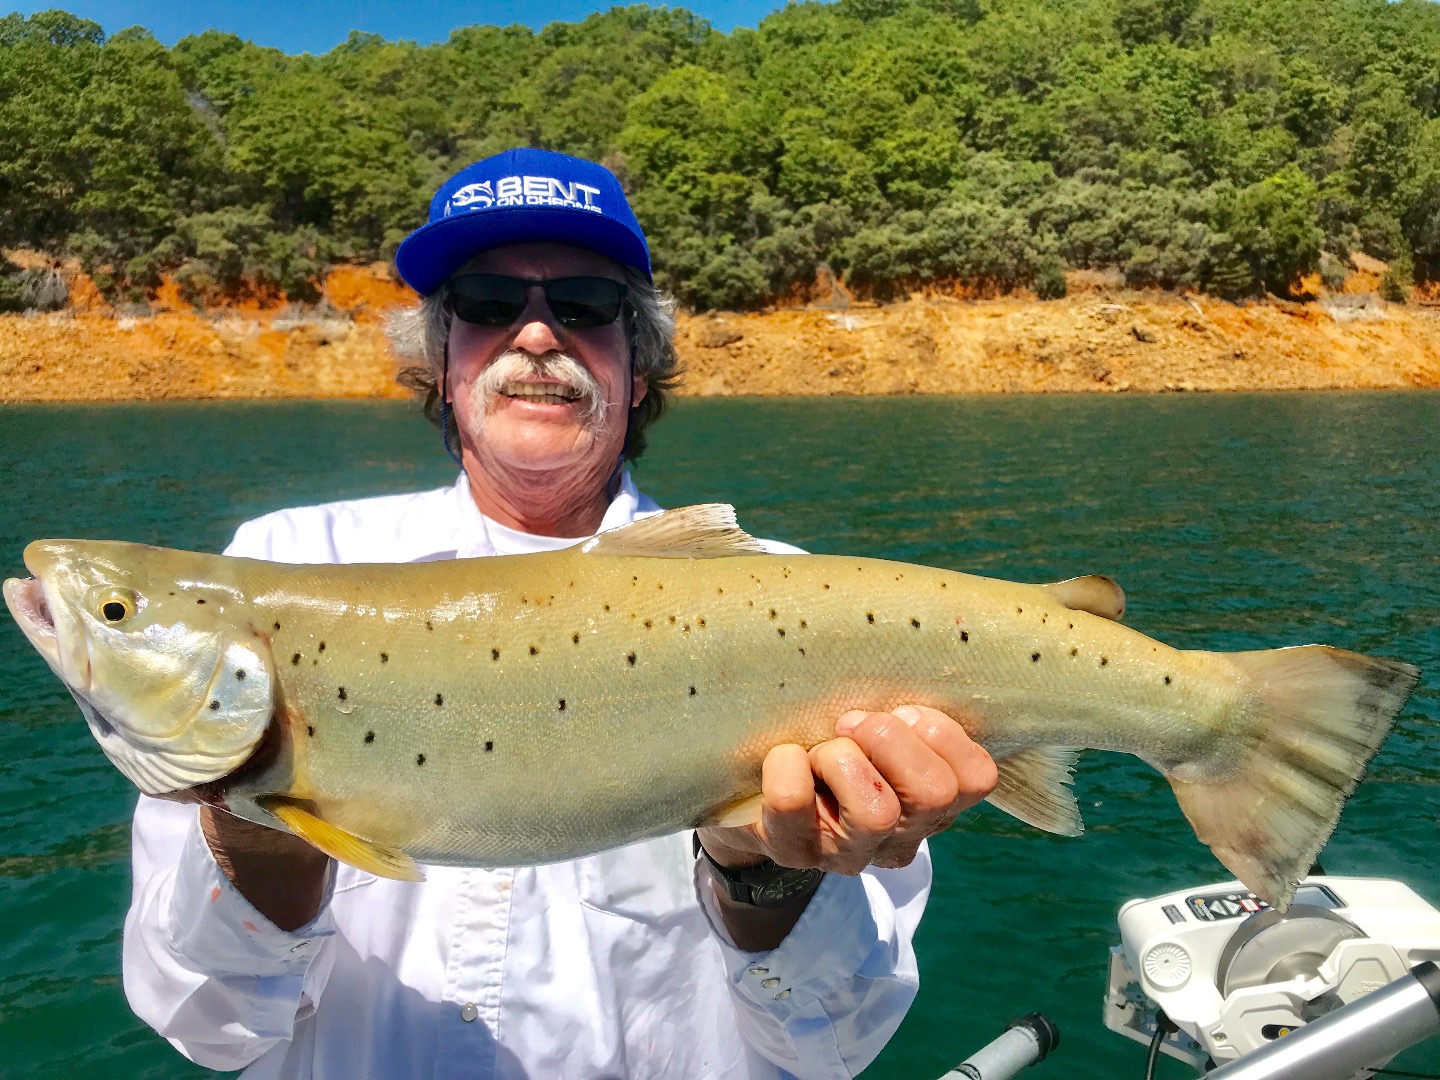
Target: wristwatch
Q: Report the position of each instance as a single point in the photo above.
(766, 884)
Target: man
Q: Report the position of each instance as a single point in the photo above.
(770, 954)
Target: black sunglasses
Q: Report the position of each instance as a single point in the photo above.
(498, 299)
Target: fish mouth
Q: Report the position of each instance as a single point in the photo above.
(25, 597)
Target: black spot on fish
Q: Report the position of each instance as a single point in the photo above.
(534, 650)
(607, 607)
(825, 586)
(1073, 651)
(692, 691)
(341, 693)
(310, 730)
(630, 659)
(1034, 658)
(384, 657)
(804, 625)
(369, 737)
(700, 623)
(1072, 626)
(870, 617)
(659, 586)
(1167, 680)
(685, 628)
(780, 630)
(965, 635)
(322, 646)
(419, 759)
(429, 625)
(782, 686)
(575, 637)
(439, 699)
(1019, 611)
(1104, 660)
(215, 705)
(562, 704)
(772, 613)
(672, 620)
(802, 651)
(634, 580)
(239, 674)
(649, 623)
(200, 601)
(489, 745)
(942, 584)
(494, 654)
(277, 626)
(914, 622)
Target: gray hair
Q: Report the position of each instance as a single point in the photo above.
(418, 336)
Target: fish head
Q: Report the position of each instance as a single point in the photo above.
(175, 684)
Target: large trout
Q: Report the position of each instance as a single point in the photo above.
(532, 708)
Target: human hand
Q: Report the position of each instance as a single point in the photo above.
(867, 797)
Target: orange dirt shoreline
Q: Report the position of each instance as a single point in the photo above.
(1107, 341)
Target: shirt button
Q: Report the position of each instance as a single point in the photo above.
(759, 971)
(301, 947)
(770, 984)
(782, 995)
(469, 1012)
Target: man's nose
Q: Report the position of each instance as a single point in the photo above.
(537, 334)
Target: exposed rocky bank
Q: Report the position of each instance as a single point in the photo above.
(1100, 338)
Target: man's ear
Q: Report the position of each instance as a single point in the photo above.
(640, 386)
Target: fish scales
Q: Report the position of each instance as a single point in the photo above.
(535, 708)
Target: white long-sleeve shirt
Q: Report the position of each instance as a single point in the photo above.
(616, 965)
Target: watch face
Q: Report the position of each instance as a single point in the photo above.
(786, 886)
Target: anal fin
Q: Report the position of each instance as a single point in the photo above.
(378, 859)
(1034, 786)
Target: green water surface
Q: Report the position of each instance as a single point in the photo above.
(1233, 522)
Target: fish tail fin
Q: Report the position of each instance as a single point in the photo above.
(1324, 713)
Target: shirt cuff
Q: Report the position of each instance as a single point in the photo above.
(834, 939)
(218, 932)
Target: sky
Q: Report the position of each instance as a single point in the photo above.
(319, 25)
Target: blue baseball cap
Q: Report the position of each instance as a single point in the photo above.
(516, 197)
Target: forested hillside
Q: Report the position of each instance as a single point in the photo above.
(1225, 145)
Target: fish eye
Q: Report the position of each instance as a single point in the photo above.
(115, 606)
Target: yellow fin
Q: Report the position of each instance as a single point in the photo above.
(744, 812)
(1033, 786)
(373, 858)
(1097, 594)
(706, 531)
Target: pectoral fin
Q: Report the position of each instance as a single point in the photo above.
(373, 858)
(1034, 786)
(1097, 594)
(744, 812)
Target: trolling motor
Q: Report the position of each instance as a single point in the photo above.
(1215, 977)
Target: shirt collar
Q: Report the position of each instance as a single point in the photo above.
(477, 535)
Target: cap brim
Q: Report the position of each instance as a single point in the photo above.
(429, 255)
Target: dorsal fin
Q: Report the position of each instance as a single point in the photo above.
(706, 531)
(1097, 594)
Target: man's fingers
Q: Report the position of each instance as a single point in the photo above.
(788, 806)
(972, 766)
(925, 782)
(866, 809)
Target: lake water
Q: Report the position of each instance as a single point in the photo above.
(1234, 522)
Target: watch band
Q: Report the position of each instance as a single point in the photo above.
(766, 884)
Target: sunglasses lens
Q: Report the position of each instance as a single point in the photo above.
(487, 299)
(585, 301)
